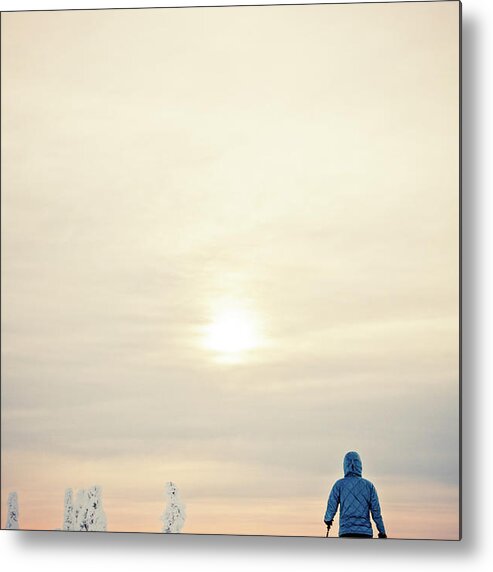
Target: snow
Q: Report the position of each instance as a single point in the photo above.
(12, 512)
(68, 512)
(88, 514)
(174, 514)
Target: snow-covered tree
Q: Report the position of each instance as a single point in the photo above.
(174, 514)
(88, 513)
(12, 512)
(95, 516)
(68, 512)
(80, 511)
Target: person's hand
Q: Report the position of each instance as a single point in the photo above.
(328, 524)
(382, 535)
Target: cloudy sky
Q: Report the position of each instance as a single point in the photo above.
(229, 255)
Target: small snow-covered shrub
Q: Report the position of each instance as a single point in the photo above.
(12, 512)
(174, 514)
(68, 511)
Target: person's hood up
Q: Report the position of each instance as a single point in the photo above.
(353, 467)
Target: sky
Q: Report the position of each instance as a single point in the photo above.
(230, 255)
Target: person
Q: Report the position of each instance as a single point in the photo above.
(357, 497)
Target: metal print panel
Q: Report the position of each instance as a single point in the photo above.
(230, 270)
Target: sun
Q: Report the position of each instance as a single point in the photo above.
(232, 332)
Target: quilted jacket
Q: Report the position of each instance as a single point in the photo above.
(357, 497)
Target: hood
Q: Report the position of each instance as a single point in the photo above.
(353, 466)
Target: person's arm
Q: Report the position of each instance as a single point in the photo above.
(376, 513)
(332, 505)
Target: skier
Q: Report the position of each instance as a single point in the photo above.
(357, 497)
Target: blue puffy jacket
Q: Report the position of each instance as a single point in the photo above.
(357, 497)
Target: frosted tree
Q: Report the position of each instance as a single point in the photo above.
(68, 511)
(174, 514)
(95, 516)
(12, 512)
(80, 511)
(88, 514)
